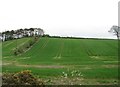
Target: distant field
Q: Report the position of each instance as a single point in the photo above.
(97, 60)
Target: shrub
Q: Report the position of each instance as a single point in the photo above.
(16, 52)
(21, 78)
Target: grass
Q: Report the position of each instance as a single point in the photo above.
(95, 59)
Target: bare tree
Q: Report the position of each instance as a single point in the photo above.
(115, 30)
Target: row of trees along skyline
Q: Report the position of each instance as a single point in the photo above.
(8, 35)
(19, 33)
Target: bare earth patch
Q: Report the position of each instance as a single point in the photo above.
(64, 81)
(110, 61)
(42, 66)
(100, 81)
(23, 58)
(7, 57)
(6, 63)
(110, 66)
(96, 57)
(57, 57)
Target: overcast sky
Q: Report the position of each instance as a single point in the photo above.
(81, 18)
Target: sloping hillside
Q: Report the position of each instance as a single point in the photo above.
(49, 57)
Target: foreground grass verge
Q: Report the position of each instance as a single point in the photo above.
(89, 75)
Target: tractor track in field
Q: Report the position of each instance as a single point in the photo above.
(8, 44)
(88, 51)
(28, 48)
(21, 44)
(59, 53)
(32, 45)
(42, 47)
(45, 44)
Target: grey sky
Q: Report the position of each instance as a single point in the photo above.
(83, 18)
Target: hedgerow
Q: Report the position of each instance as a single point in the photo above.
(21, 49)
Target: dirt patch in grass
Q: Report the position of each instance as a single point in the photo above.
(7, 57)
(110, 66)
(42, 66)
(63, 81)
(96, 57)
(6, 63)
(14, 63)
(23, 58)
(82, 66)
(110, 61)
(100, 81)
(57, 57)
(78, 81)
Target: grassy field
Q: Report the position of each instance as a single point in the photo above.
(96, 60)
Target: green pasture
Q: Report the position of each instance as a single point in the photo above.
(49, 57)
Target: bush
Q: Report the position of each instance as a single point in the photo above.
(18, 51)
(20, 78)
